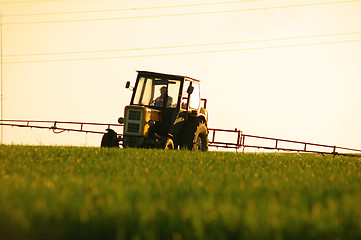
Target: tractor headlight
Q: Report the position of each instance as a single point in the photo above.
(151, 123)
(121, 120)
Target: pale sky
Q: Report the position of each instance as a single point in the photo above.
(286, 69)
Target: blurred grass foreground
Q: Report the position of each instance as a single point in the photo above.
(93, 193)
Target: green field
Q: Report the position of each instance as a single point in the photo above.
(93, 193)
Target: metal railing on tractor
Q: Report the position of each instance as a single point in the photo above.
(218, 138)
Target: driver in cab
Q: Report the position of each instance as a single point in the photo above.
(158, 102)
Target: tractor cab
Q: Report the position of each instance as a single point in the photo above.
(160, 107)
(159, 91)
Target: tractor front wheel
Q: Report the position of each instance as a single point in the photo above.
(110, 139)
(169, 144)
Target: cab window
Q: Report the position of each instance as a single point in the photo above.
(194, 97)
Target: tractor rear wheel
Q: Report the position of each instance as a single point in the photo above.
(195, 136)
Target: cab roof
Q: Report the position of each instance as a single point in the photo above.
(164, 75)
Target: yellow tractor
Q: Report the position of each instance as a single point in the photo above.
(166, 112)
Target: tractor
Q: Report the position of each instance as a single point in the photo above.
(165, 112)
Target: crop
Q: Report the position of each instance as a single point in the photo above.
(94, 193)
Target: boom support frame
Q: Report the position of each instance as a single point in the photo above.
(240, 141)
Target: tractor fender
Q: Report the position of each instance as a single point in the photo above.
(203, 113)
(202, 118)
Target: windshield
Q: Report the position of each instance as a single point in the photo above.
(155, 91)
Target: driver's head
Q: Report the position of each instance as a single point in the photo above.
(163, 90)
